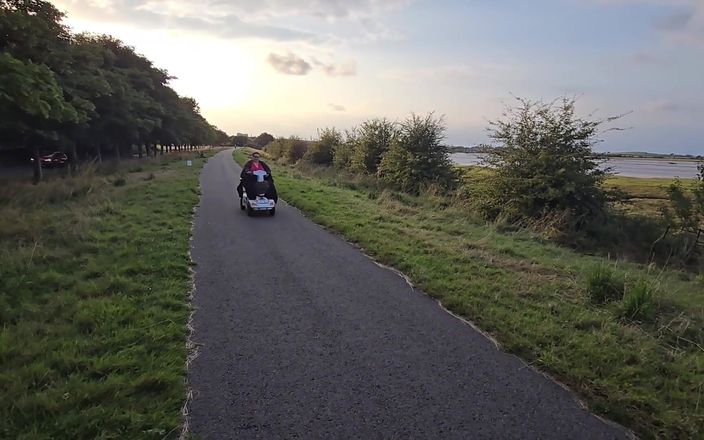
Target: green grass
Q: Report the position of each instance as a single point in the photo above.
(532, 296)
(604, 285)
(639, 301)
(94, 284)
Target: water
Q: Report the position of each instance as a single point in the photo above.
(621, 166)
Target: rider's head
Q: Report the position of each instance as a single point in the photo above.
(255, 156)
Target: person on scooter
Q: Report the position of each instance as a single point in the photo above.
(252, 165)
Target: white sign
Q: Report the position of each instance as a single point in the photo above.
(189, 163)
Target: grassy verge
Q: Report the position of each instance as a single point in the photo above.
(94, 279)
(645, 371)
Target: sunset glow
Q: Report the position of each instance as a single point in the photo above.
(292, 67)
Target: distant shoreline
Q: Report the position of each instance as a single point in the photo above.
(621, 155)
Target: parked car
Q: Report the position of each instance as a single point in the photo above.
(56, 159)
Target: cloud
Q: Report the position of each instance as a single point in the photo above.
(670, 106)
(675, 21)
(685, 27)
(331, 10)
(348, 68)
(337, 107)
(455, 73)
(292, 64)
(289, 64)
(683, 24)
(143, 14)
(646, 58)
(662, 106)
(267, 19)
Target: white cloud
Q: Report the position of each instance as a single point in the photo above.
(348, 68)
(267, 19)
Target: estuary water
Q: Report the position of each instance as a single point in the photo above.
(620, 166)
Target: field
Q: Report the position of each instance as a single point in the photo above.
(533, 297)
(94, 285)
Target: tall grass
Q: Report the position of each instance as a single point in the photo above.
(604, 285)
(639, 301)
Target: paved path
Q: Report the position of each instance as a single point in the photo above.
(303, 337)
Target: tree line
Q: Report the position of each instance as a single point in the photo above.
(88, 95)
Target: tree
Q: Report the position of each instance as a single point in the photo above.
(321, 151)
(373, 138)
(263, 139)
(240, 140)
(32, 105)
(416, 157)
(83, 93)
(544, 164)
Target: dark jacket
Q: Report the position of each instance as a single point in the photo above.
(248, 164)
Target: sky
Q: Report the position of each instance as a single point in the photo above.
(290, 67)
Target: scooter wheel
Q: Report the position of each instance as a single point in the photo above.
(250, 211)
(272, 212)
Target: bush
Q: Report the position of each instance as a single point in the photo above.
(276, 148)
(604, 285)
(321, 151)
(290, 150)
(296, 149)
(638, 303)
(685, 213)
(372, 140)
(544, 165)
(416, 157)
(342, 153)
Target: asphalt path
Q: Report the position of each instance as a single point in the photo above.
(301, 336)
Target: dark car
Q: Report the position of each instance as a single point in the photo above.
(56, 159)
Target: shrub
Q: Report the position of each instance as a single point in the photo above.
(685, 213)
(638, 303)
(321, 151)
(296, 149)
(544, 164)
(416, 157)
(342, 153)
(372, 140)
(604, 285)
(276, 148)
(290, 150)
